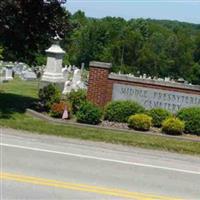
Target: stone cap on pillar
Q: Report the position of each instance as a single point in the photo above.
(55, 49)
(100, 64)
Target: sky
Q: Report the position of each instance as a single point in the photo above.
(181, 10)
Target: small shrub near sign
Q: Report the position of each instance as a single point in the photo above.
(89, 114)
(173, 126)
(48, 95)
(57, 109)
(140, 122)
(76, 98)
(191, 116)
(120, 111)
(158, 116)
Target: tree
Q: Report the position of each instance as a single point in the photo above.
(27, 27)
(195, 74)
(197, 49)
(1, 52)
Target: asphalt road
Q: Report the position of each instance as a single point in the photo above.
(47, 167)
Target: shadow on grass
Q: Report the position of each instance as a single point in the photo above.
(13, 103)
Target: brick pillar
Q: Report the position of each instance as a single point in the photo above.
(98, 83)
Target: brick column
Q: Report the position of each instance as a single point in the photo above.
(98, 83)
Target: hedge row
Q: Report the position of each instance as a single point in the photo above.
(187, 119)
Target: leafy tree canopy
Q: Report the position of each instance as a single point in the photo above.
(156, 47)
(27, 27)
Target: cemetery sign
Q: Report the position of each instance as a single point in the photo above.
(153, 98)
(150, 92)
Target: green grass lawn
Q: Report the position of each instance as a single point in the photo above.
(17, 95)
(22, 88)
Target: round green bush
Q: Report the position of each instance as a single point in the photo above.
(76, 98)
(89, 114)
(173, 126)
(191, 116)
(48, 95)
(158, 116)
(120, 111)
(140, 122)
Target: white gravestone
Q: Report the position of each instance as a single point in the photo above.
(67, 87)
(8, 73)
(82, 67)
(18, 68)
(28, 75)
(65, 73)
(75, 84)
(70, 68)
(53, 71)
(76, 77)
(1, 75)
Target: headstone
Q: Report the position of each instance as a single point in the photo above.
(70, 68)
(67, 87)
(180, 80)
(8, 73)
(160, 79)
(65, 73)
(28, 75)
(18, 68)
(167, 79)
(53, 71)
(82, 66)
(74, 67)
(76, 80)
(1, 75)
(75, 84)
(64, 68)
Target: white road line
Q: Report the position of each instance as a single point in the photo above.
(101, 159)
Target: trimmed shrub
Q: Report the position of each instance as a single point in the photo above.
(120, 111)
(191, 116)
(89, 114)
(173, 126)
(141, 122)
(158, 116)
(77, 98)
(57, 109)
(48, 95)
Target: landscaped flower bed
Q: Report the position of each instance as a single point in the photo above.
(117, 114)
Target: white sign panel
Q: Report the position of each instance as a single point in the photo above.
(154, 98)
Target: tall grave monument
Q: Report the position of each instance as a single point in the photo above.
(53, 70)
